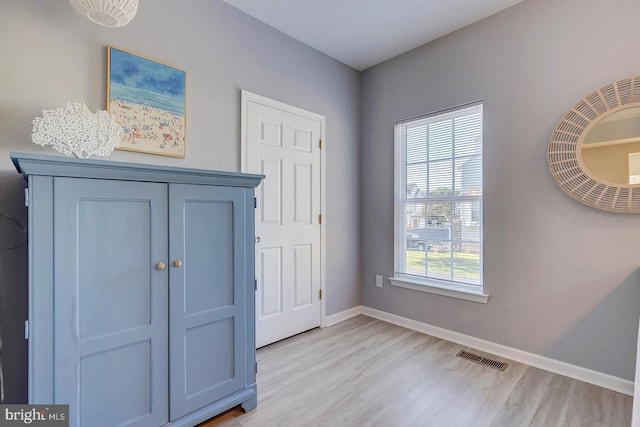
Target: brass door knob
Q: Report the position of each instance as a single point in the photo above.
(177, 263)
(160, 266)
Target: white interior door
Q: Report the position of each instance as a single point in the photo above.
(283, 143)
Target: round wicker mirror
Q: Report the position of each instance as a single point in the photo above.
(572, 162)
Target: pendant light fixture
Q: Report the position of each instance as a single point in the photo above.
(109, 13)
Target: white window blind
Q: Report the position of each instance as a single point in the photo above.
(439, 198)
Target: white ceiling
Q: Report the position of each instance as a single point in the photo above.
(362, 33)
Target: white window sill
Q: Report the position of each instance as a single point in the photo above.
(435, 287)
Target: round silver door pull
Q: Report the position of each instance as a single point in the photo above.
(160, 266)
(177, 263)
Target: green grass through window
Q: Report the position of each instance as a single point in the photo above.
(464, 264)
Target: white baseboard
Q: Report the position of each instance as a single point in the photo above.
(343, 315)
(557, 367)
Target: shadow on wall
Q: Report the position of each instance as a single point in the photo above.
(13, 288)
(604, 328)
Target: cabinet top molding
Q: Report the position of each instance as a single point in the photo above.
(36, 164)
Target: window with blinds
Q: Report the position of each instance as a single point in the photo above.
(439, 198)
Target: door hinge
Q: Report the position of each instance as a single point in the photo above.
(256, 367)
(26, 196)
(320, 144)
(320, 293)
(255, 203)
(255, 282)
(26, 329)
(320, 219)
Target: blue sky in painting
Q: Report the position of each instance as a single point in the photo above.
(139, 73)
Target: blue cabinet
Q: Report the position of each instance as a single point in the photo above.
(141, 290)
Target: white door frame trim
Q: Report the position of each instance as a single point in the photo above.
(245, 98)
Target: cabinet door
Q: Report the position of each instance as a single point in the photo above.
(207, 301)
(110, 317)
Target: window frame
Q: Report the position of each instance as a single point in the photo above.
(433, 285)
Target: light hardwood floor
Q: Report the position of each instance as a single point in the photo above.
(365, 372)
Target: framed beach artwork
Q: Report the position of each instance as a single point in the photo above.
(148, 99)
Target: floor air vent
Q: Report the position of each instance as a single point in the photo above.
(501, 366)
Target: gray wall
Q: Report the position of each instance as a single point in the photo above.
(563, 278)
(49, 55)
